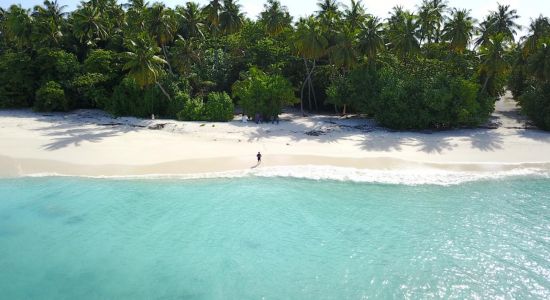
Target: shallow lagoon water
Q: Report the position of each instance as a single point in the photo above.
(273, 238)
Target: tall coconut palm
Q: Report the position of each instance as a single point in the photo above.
(343, 54)
(191, 24)
(186, 53)
(403, 33)
(2, 24)
(49, 20)
(161, 25)
(355, 14)
(143, 64)
(51, 10)
(431, 14)
(89, 26)
(502, 21)
(135, 15)
(538, 29)
(371, 40)
(483, 30)
(329, 13)
(459, 29)
(311, 44)
(328, 7)
(493, 63)
(231, 17)
(275, 17)
(212, 12)
(18, 26)
(538, 63)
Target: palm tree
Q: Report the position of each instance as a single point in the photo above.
(431, 15)
(329, 13)
(18, 25)
(161, 25)
(493, 63)
(343, 54)
(355, 14)
(538, 64)
(328, 7)
(403, 32)
(186, 53)
(231, 18)
(502, 21)
(143, 64)
(275, 17)
(212, 12)
(89, 26)
(51, 10)
(539, 28)
(311, 44)
(48, 23)
(2, 20)
(371, 40)
(191, 24)
(135, 15)
(459, 30)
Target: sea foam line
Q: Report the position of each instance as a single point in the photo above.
(404, 177)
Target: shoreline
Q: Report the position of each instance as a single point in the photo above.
(93, 143)
(381, 170)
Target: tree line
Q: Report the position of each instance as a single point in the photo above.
(434, 67)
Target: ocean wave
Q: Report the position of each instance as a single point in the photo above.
(402, 177)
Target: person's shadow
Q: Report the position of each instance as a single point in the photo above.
(257, 165)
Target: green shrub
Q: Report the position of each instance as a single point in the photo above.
(192, 111)
(51, 97)
(57, 65)
(259, 92)
(426, 94)
(104, 62)
(219, 107)
(91, 91)
(128, 100)
(177, 104)
(535, 103)
(17, 83)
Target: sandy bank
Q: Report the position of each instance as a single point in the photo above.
(89, 142)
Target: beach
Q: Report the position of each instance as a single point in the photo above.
(92, 143)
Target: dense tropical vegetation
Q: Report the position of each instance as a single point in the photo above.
(435, 67)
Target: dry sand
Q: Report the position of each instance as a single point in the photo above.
(91, 143)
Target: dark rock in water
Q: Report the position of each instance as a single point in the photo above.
(74, 220)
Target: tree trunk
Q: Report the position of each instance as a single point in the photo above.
(344, 110)
(167, 60)
(485, 84)
(306, 82)
(302, 98)
(312, 86)
(163, 91)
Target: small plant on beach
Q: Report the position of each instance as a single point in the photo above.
(219, 107)
(192, 111)
(262, 93)
(51, 97)
(535, 103)
(17, 87)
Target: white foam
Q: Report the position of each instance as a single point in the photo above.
(405, 177)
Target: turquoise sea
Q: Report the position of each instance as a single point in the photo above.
(273, 238)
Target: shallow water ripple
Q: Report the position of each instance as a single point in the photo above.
(281, 238)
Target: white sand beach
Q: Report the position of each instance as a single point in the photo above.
(91, 143)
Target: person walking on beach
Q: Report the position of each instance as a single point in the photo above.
(259, 156)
